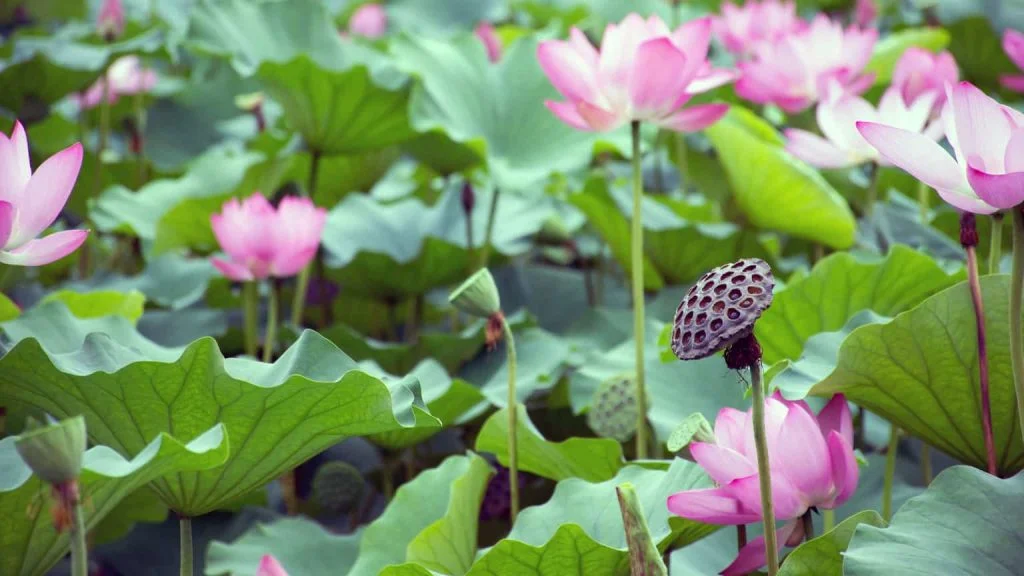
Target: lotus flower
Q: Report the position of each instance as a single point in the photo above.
(110, 21)
(865, 13)
(987, 138)
(126, 75)
(795, 71)
(812, 466)
(643, 72)
(742, 29)
(485, 32)
(261, 241)
(369, 20)
(269, 566)
(920, 71)
(1013, 43)
(30, 202)
(838, 115)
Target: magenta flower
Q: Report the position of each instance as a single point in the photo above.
(643, 72)
(742, 29)
(921, 71)
(110, 20)
(1013, 43)
(369, 20)
(812, 465)
(838, 115)
(485, 32)
(795, 71)
(261, 241)
(31, 201)
(269, 566)
(126, 75)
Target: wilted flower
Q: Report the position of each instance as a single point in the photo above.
(485, 32)
(30, 202)
(110, 21)
(921, 71)
(369, 20)
(795, 71)
(643, 72)
(838, 115)
(261, 241)
(1013, 43)
(742, 29)
(269, 566)
(126, 75)
(812, 466)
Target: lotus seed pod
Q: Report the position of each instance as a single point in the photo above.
(721, 308)
(54, 452)
(612, 411)
(338, 487)
(478, 295)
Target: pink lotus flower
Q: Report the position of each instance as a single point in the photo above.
(110, 21)
(30, 202)
(369, 20)
(1013, 43)
(261, 241)
(865, 13)
(126, 76)
(838, 115)
(988, 146)
(812, 465)
(742, 29)
(643, 72)
(269, 566)
(485, 32)
(921, 71)
(795, 71)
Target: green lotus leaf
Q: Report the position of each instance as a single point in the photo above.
(431, 18)
(898, 221)
(8, 309)
(301, 546)
(168, 280)
(102, 303)
(823, 556)
(776, 191)
(29, 543)
(979, 52)
(569, 552)
(889, 49)
(967, 522)
(129, 388)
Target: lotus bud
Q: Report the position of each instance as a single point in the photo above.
(110, 22)
(468, 198)
(54, 452)
(338, 487)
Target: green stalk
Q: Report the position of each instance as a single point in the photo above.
(302, 286)
(872, 192)
(79, 551)
(922, 201)
(637, 269)
(485, 251)
(250, 296)
(890, 472)
(271, 335)
(995, 251)
(513, 409)
(185, 532)
(764, 470)
(1016, 286)
(140, 123)
(828, 520)
(104, 130)
(926, 464)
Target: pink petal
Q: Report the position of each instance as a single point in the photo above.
(1015, 83)
(838, 121)
(836, 416)
(752, 556)
(569, 71)
(723, 464)
(981, 127)
(710, 79)
(801, 454)
(269, 566)
(492, 44)
(785, 497)
(694, 118)
(1013, 44)
(15, 169)
(46, 194)
(369, 20)
(597, 118)
(567, 112)
(1014, 155)
(618, 49)
(657, 79)
(579, 41)
(729, 426)
(1000, 190)
(233, 270)
(693, 38)
(45, 250)
(712, 506)
(845, 472)
(922, 158)
(815, 150)
(6, 222)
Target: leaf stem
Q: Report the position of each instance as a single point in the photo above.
(79, 551)
(104, 130)
(922, 200)
(995, 250)
(764, 469)
(1016, 288)
(637, 269)
(270, 337)
(139, 110)
(890, 472)
(302, 286)
(185, 533)
(828, 520)
(513, 410)
(979, 316)
(485, 250)
(250, 308)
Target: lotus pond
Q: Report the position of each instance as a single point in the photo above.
(511, 287)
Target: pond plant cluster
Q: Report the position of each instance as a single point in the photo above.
(511, 287)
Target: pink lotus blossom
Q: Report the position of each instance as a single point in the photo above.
(126, 75)
(485, 32)
(742, 29)
(643, 72)
(269, 566)
(110, 21)
(261, 241)
(921, 71)
(31, 201)
(369, 21)
(795, 71)
(865, 13)
(1013, 43)
(812, 465)
(838, 115)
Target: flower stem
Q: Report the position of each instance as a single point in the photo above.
(485, 250)
(872, 192)
(79, 551)
(250, 305)
(139, 111)
(513, 409)
(302, 286)
(922, 200)
(808, 526)
(890, 472)
(979, 315)
(104, 130)
(828, 520)
(270, 337)
(1016, 286)
(185, 532)
(637, 269)
(764, 469)
(995, 250)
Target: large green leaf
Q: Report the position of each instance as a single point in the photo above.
(823, 556)
(979, 52)
(169, 280)
(300, 545)
(775, 190)
(840, 286)
(967, 522)
(8, 309)
(569, 552)
(496, 109)
(541, 358)
(920, 371)
(130, 389)
(102, 303)
(591, 459)
(29, 543)
(889, 49)
(434, 18)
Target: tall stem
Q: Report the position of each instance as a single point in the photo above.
(979, 321)
(926, 464)
(1016, 286)
(79, 551)
(139, 111)
(513, 409)
(828, 520)
(185, 532)
(808, 521)
(764, 469)
(872, 193)
(995, 250)
(302, 286)
(104, 135)
(922, 201)
(637, 269)
(250, 307)
(271, 335)
(485, 251)
(890, 472)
